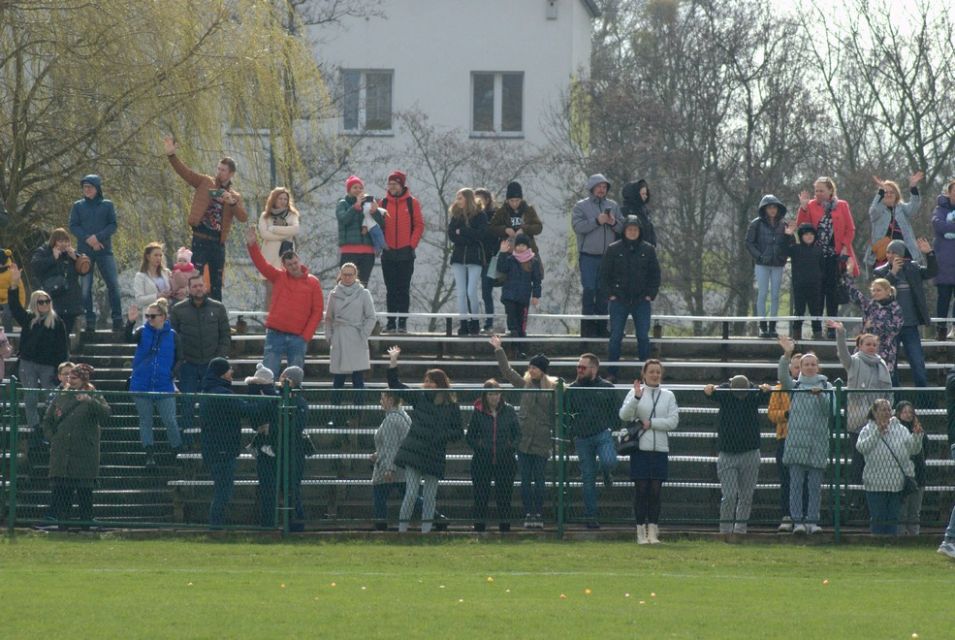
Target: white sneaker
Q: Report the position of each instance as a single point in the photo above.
(799, 528)
(947, 549)
(951, 333)
(642, 534)
(529, 521)
(786, 525)
(813, 528)
(653, 534)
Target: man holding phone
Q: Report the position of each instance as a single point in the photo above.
(597, 221)
(214, 205)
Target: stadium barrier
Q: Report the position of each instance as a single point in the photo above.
(315, 468)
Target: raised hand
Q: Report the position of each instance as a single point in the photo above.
(133, 314)
(637, 389)
(878, 182)
(169, 145)
(924, 245)
(832, 324)
(804, 198)
(916, 178)
(14, 274)
(505, 246)
(790, 228)
(787, 343)
(709, 389)
(393, 353)
(495, 341)
(250, 237)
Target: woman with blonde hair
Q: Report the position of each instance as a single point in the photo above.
(536, 416)
(835, 230)
(44, 344)
(891, 219)
(466, 230)
(153, 280)
(278, 226)
(54, 266)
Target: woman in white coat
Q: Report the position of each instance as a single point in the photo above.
(655, 411)
(278, 226)
(349, 321)
(888, 448)
(152, 281)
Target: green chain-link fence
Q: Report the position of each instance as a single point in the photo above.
(340, 459)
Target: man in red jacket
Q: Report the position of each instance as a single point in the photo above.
(403, 228)
(296, 308)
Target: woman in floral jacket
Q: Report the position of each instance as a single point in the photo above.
(881, 315)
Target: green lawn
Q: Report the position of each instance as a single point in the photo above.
(53, 587)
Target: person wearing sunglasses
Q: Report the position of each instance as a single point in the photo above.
(156, 347)
(44, 344)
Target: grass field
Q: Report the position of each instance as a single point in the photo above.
(55, 587)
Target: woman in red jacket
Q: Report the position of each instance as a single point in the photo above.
(835, 229)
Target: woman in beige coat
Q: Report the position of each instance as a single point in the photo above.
(349, 321)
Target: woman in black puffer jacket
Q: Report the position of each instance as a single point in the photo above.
(493, 434)
(435, 421)
(54, 266)
(766, 241)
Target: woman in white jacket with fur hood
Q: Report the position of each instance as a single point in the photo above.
(656, 411)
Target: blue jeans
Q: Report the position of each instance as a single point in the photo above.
(487, 293)
(190, 375)
(467, 279)
(619, 312)
(911, 341)
(591, 303)
(221, 468)
(277, 344)
(768, 278)
(950, 531)
(811, 478)
(884, 511)
(533, 485)
(380, 494)
(589, 449)
(107, 270)
(166, 405)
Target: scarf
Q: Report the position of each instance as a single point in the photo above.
(524, 256)
(346, 291)
(876, 362)
(280, 214)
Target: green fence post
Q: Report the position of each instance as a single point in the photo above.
(838, 403)
(286, 440)
(13, 406)
(561, 459)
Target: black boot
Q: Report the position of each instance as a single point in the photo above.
(772, 330)
(463, 329)
(475, 327)
(150, 458)
(763, 331)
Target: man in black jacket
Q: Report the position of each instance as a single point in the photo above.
(592, 410)
(907, 275)
(630, 279)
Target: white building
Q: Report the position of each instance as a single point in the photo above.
(486, 67)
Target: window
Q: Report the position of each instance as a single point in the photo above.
(497, 104)
(367, 100)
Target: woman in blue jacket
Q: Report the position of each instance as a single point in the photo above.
(152, 374)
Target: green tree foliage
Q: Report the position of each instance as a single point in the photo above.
(91, 87)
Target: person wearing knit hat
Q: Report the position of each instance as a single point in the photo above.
(515, 216)
(263, 375)
(403, 227)
(522, 274)
(221, 413)
(294, 374)
(540, 361)
(355, 243)
(738, 441)
(182, 271)
(908, 275)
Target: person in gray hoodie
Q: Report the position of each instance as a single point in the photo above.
(807, 444)
(597, 221)
(93, 222)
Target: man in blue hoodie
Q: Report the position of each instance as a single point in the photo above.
(93, 222)
(597, 221)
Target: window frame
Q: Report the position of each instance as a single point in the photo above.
(362, 113)
(498, 106)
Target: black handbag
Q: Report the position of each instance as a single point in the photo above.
(909, 485)
(628, 439)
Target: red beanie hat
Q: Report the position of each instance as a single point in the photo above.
(398, 177)
(352, 181)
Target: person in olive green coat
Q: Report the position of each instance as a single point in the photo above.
(72, 425)
(537, 416)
